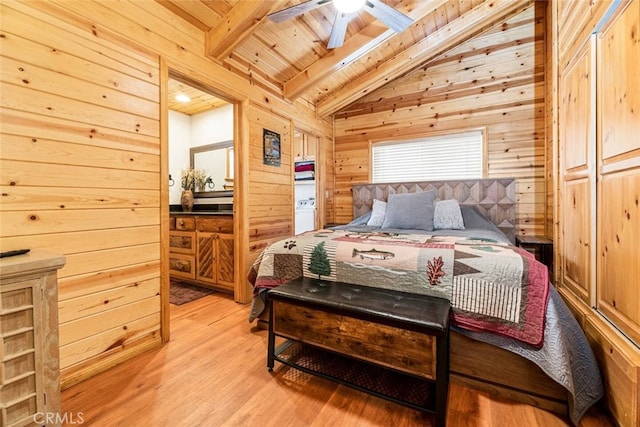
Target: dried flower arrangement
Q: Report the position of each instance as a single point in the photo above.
(193, 179)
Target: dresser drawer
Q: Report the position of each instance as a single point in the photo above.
(215, 224)
(183, 242)
(182, 266)
(183, 223)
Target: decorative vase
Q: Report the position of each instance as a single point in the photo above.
(186, 200)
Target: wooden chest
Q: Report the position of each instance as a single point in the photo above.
(405, 333)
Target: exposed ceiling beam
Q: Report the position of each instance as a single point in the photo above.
(237, 25)
(463, 28)
(355, 47)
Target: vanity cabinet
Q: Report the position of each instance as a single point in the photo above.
(201, 250)
(30, 362)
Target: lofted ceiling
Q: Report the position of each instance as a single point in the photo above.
(291, 60)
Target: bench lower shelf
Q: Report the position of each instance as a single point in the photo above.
(416, 393)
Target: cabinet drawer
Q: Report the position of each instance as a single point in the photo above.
(184, 223)
(404, 350)
(215, 224)
(182, 266)
(182, 242)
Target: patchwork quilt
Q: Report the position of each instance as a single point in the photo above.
(493, 286)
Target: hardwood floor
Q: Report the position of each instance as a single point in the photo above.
(213, 373)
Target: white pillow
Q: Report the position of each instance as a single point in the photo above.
(377, 213)
(447, 216)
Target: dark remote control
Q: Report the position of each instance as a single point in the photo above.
(13, 253)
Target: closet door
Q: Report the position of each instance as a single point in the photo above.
(619, 171)
(577, 161)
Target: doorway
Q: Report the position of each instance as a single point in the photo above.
(201, 133)
(305, 147)
(199, 122)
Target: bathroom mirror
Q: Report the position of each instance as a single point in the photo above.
(217, 162)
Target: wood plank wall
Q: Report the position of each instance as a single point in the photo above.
(80, 176)
(551, 118)
(270, 214)
(493, 81)
(82, 166)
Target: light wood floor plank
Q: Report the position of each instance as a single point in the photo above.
(213, 373)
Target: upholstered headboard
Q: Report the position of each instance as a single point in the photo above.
(494, 198)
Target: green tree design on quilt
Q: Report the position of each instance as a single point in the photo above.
(319, 262)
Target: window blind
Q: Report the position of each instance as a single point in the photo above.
(452, 156)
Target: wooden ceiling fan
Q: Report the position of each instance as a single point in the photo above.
(347, 9)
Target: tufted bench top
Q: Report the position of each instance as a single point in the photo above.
(409, 311)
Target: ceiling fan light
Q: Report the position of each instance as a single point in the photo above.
(348, 6)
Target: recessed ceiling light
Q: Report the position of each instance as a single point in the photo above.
(348, 6)
(181, 97)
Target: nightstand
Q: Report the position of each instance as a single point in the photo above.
(540, 246)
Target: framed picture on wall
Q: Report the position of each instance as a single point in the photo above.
(271, 144)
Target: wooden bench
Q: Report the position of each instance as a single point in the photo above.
(373, 333)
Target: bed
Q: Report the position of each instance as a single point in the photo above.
(512, 337)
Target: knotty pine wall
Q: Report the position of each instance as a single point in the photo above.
(268, 210)
(83, 164)
(80, 175)
(270, 216)
(551, 118)
(493, 81)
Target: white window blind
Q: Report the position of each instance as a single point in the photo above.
(453, 156)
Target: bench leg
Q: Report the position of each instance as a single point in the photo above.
(271, 347)
(442, 379)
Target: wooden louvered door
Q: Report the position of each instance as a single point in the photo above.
(207, 258)
(225, 258)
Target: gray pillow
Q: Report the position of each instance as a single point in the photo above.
(447, 216)
(377, 213)
(410, 211)
(361, 220)
(474, 219)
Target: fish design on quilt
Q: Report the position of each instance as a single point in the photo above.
(373, 254)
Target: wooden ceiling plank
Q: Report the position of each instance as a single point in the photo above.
(237, 25)
(466, 26)
(194, 12)
(288, 43)
(352, 49)
(173, 19)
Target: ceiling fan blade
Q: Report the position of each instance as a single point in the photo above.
(297, 10)
(339, 30)
(392, 18)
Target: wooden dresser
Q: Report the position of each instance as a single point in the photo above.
(29, 355)
(201, 249)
